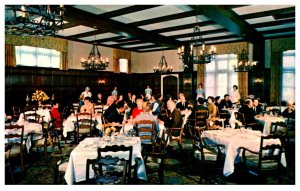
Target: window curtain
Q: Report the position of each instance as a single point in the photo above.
(63, 61)
(243, 84)
(117, 54)
(35, 41)
(200, 75)
(10, 56)
(276, 77)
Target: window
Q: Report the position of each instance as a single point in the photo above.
(123, 63)
(220, 76)
(288, 75)
(37, 57)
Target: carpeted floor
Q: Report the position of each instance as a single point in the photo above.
(180, 169)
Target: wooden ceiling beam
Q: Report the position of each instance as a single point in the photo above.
(127, 10)
(267, 13)
(273, 23)
(230, 20)
(91, 20)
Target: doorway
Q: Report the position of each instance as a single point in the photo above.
(170, 85)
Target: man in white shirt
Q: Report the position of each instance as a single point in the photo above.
(87, 93)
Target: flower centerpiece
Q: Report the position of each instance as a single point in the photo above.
(238, 124)
(39, 96)
(110, 130)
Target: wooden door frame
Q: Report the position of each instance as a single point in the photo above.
(162, 83)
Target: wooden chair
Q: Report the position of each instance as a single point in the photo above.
(175, 134)
(84, 125)
(241, 117)
(208, 154)
(32, 116)
(14, 143)
(146, 132)
(16, 112)
(98, 109)
(108, 169)
(280, 129)
(266, 159)
(200, 118)
(60, 155)
(75, 107)
(154, 158)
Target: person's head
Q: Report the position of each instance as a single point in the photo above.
(200, 85)
(139, 103)
(121, 97)
(55, 104)
(87, 89)
(226, 97)
(129, 95)
(120, 106)
(255, 102)
(181, 97)
(148, 86)
(99, 95)
(210, 99)
(133, 97)
(290, 105)
(147, 107)
(217, 99)
(201, 100)
(87, 100)
(110, 100)
(171, 105)
(249, 103)
(235, 87)
(115, 88)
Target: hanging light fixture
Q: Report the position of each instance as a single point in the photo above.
(196, 52)
(94, 61)
(163, 67)
(244, 65)
(41, 20)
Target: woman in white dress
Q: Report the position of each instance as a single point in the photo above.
(235, 95)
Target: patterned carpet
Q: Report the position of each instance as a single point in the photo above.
(180, 169)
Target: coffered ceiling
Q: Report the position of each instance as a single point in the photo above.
(145, 28)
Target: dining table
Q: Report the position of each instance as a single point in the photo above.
(233, 139)
(267, 120)
(32, 132)
(87, 149)
(69, 123)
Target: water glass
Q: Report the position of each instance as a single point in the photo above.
(227, 126)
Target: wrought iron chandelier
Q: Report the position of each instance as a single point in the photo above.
(244, 65)
(94, 61)
(41, 20)
(196, 52)
(163, 67)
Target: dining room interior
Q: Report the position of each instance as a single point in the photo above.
(172, 94)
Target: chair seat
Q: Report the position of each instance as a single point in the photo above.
(84, 131)
(63, 166)
(209, 155)
(153, 163)
(252, 161)
(15, 151)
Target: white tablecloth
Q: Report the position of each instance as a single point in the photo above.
(235, 138)
(87, 149)
(69, 123)
(267, 120)
(45, 113)
(29, 128)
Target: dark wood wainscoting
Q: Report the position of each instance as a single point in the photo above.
(68, 85)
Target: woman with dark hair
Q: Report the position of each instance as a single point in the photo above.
(88, 107)
(235, 95)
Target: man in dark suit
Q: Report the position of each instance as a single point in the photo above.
(175, 119)
(111, 106)
(182, 104)
(226, 102)
(256, 107)
(116, 115)
(247, 110)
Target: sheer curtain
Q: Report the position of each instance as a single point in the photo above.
(220, 76)
(37, 57)
(288, 76)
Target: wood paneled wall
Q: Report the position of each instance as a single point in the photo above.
(68, 85)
